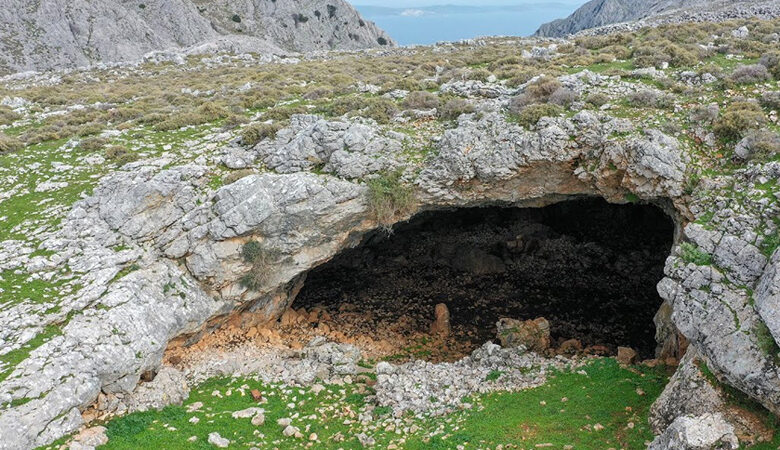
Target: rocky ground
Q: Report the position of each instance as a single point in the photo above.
(146, 206)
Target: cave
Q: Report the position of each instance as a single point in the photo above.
(589, 267)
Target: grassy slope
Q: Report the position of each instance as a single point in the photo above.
(608, 396)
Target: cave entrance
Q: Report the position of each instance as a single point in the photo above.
(589, 267)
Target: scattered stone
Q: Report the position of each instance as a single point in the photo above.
(218, 441)
(705, 432)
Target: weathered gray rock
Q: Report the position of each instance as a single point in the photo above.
(767, 296)
(66, 34)
(350, 150)
(706, 432)
(688, 393)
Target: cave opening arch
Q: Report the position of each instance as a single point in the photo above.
(588, 266)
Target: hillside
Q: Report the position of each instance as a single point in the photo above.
(598, 13)
(65, 34)
(326, 251)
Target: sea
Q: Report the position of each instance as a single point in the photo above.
(431, 24)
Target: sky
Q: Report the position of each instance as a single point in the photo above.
(409, 25)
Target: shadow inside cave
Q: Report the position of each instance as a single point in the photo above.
(587, 266)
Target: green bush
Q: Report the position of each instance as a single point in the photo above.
(737, 119)
(93, 144)
(380, 109)
(690, 253)
(771, 60)
(754, 73)
(389, 197)
(454, 108)
(260, 260)
(8, 116)
(530, 115)
(257, 132)
(421, 100)
(120, 155)
(9, 144)
(597, 99)
(761, 144)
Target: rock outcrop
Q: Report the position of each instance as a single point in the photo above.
(66, 34)
(600, 13)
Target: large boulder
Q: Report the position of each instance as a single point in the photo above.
(534, 335)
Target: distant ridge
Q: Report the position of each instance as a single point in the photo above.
(36, 35)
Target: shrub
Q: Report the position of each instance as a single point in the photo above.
(380, 109)
(8, 116)
(120, 155)
(754, 73)
(690, 253)
(759, 144)
(261, 260)
(530, 115)
(9, 144)
(540, 90)
(738, 118)
(421, 100)
(234, 121)
(454, 108)
(389, 197)
(597, 99)
(647, 98)
(93, 144)
(256, 132)
(771, 100)
(563, 97)
(704, 114)
(771, 61)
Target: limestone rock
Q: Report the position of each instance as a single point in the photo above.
(706, 432)
(687, 393)
(66, 34)
(534, 335)
(218, 441)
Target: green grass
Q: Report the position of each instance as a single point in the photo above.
(608, 395)
(690, 253)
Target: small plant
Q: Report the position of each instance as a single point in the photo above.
(381, 40)
(771, 61)
(93, 144)
(759, 144)
(738, 118)
(494, 375)
(236, 18)
(421, 100)
(531, 115)
(597, 99)
(690, 253)
(257, 132)
(388, 198)
(766, 342)
(237, 175)
(9, 144)
(454, 108)
(120, 155)
(754, 73)
(563, 97)
(260, 259)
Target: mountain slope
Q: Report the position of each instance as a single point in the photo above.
(49, 34)
(597, 13)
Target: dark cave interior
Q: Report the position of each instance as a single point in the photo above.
(587, 266)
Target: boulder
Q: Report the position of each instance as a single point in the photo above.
(626, 356)
(706, 432)
(534, 335)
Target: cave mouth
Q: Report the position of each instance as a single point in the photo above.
(589, 267)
